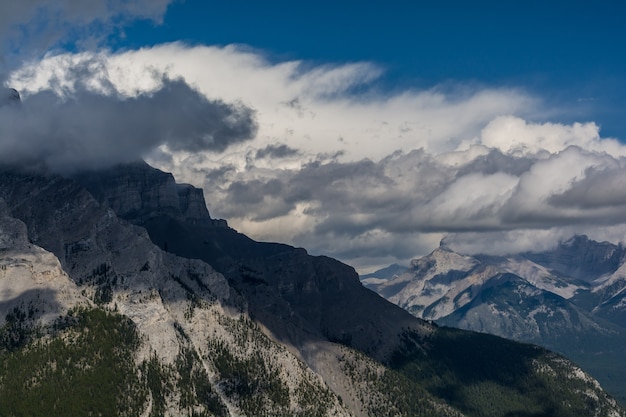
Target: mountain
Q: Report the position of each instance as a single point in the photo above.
(121, 296)
(581, 258)
(570, 299)
(382, 275)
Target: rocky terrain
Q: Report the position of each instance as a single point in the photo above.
(120, 295)
(570, 299)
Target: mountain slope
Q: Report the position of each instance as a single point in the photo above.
(186, 325)
(221, 325)
(518, 298)
(296, 296)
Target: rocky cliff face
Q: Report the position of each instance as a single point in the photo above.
(31, 279)
(221, 325)
(194, 327)
(136, 192)
(299, 298)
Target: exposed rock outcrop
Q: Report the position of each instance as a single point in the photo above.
(31, 278)
(138, 192)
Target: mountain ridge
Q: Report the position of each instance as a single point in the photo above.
(217, 324)
(570, 299)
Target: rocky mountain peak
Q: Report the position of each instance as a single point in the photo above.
(137, 192)
(443, 259)
(581, 258)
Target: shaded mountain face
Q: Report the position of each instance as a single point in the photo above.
(581, 258)
(570, 299)
(170, 312)
(295, 295)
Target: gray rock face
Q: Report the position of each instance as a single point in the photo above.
(13, 233)
(300, 298)
(581, 258)
(137, 192)
(31, 279)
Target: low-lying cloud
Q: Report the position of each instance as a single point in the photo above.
(86, 129)
(341, 208)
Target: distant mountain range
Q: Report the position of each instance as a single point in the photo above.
(121, 296)
(571, 299)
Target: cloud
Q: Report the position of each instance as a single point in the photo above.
(46, 22)
(315, 109)
(599, 188)
(29, 29)
(85, 129)
(366, 210)
(371, 177)
(276, 151)
(513, 135)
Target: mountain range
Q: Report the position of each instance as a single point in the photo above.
(121, 295)
(571, 299)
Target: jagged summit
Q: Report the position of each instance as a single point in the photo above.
(581, 258)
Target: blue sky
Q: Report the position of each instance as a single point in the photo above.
(371, 132)
(571, 53)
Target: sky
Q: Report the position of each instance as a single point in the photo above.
(371, 132)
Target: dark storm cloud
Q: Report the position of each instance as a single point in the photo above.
(601, 188)
(414, 193)
(253, 192)
(92, 130)
(265, 196)
(276, 151)
(219, 174)
(495, 161)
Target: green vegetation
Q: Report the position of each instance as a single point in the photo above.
(388, 393)
(253, 381)
(84, 365)
(85, 369)
(157, 379)
(257, 387)
(17, 330)
(486, 376)
(103, 278)
(194, 387)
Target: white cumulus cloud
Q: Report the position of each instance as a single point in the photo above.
(372, 177)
